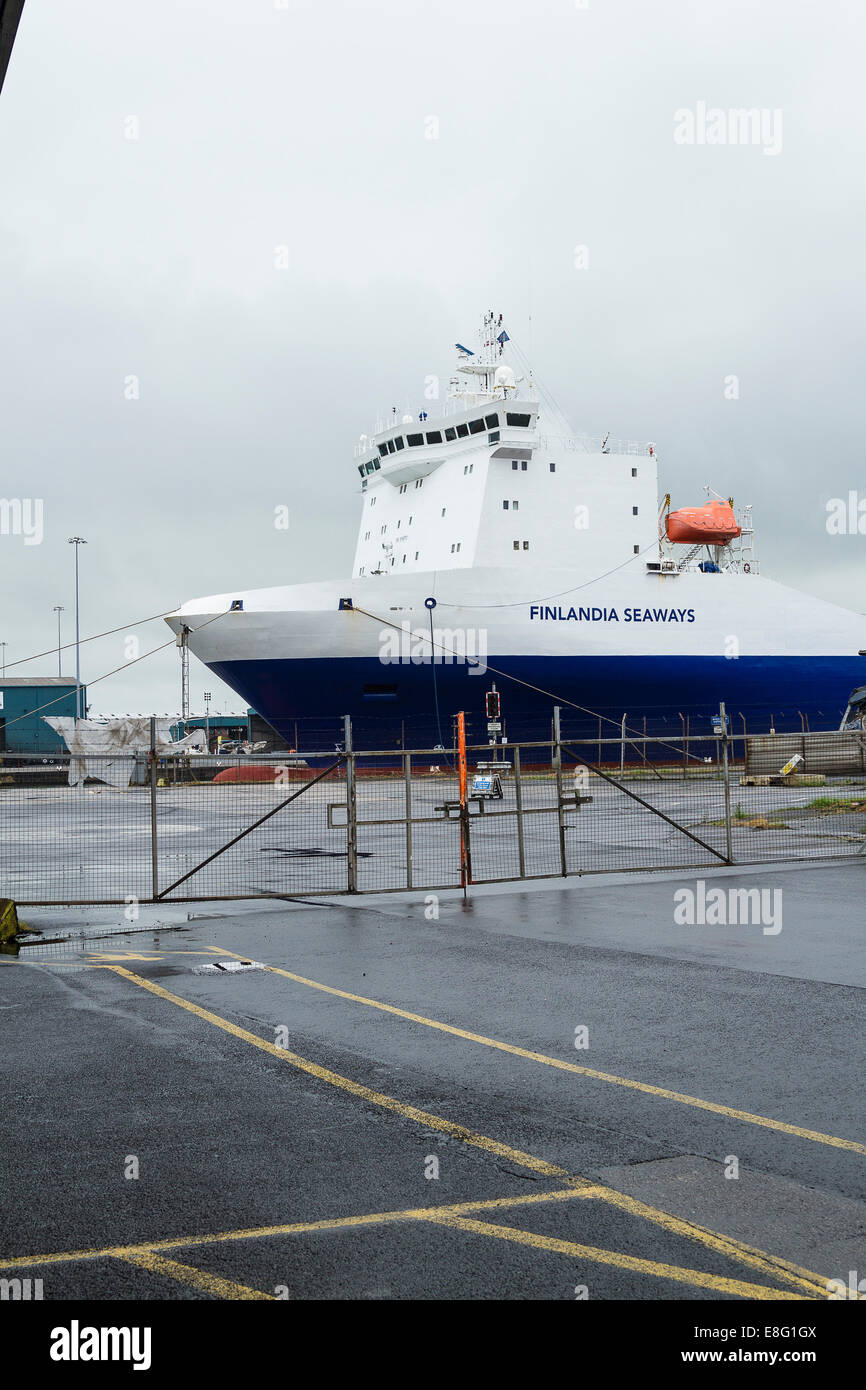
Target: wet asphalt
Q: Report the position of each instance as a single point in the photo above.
(105, 1078)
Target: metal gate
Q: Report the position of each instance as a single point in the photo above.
(166, 830)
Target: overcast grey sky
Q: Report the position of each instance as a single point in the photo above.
(306, 125)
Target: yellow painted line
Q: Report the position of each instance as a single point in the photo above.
(696, 1277)
(145, 1256)
(852, 1145)
(187, 1274)
(337, 1223)
(757, 1259)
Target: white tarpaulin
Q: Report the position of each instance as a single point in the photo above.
(93, 741)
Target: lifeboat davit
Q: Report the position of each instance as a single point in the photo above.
(712, 524)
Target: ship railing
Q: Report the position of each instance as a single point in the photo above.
(596, 444)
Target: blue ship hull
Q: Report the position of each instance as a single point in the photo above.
(394, 706)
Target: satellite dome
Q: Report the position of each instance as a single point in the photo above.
(504, 377)
(407, 420)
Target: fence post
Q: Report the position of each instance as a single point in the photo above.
(518, 800)
(557, 765)
(465, 852)
(351, 810)
(727, 777)
(154, 847)
(407, 774)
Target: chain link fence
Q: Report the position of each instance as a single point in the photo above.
(127, 828)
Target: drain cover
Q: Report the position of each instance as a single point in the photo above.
(228, 967)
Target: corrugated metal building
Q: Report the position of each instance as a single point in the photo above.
(23, 702)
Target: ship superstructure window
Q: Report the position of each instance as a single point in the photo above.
(383, 449)
(634, 511)
(372, 501)
(637, 550)
(517, 545)
(383, 529)
(493, 437)
(366, 535)
(505, 505)
(553, 468)
(450, 433)
(403, 487)
(390, 446)
(634, 472)
(417, 553)
(413, 440)
(522, 421)
(468, 468)
(462, 431)
(476, 426)
(443, 511)
(491, 421)
(434, 437)
(526, 545)
(419, 482)
(398, 442)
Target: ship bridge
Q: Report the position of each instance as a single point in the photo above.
(498, 479)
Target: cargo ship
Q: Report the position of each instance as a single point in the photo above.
(496, 546)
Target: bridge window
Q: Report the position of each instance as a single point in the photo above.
(398, 442)
(476, 426)
(491, 421)
(383, 449)
(522, 421)
(434, 437)
(450, 433)
(413, 440)
(462, 431)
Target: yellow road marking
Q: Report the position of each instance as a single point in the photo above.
(188, 1274)
(145, 1255)
(726, 1245)
(745, 1115)
(294, 1228)
(695, 1277)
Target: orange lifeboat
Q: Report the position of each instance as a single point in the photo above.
(712, 524)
